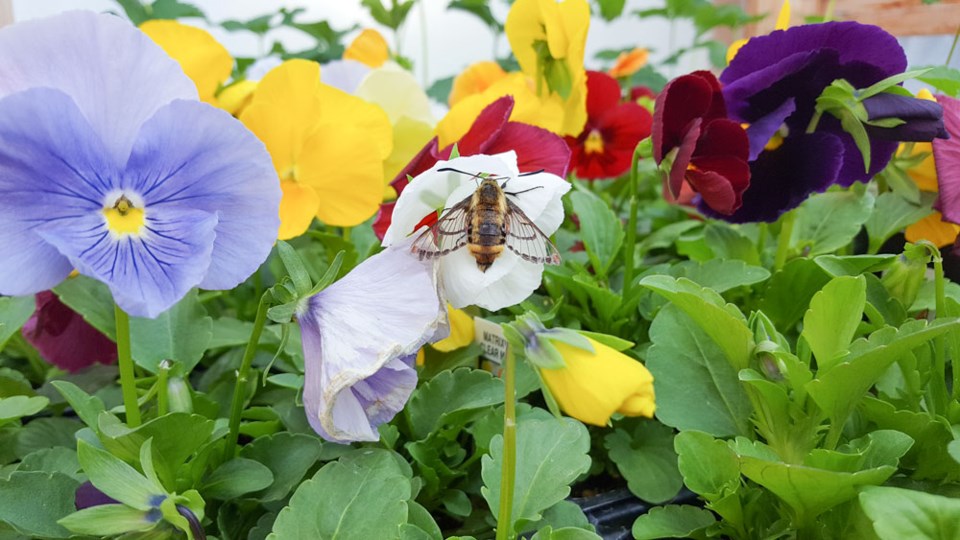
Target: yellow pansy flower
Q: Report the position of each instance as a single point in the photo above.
(474, 80)
(203, 59)
(461, 333)
(328, 147)
(398, 93)
(548, 37)
(368, 48)
(594, 385)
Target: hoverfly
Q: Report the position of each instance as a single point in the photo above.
(486, 222)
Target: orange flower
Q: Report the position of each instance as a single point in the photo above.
(475, 79)
(368, 48)
(629, 63)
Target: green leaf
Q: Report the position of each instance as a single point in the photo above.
(87, 407)
(810, 491)
(899, 513)
(853, 265)
(53, 460)
(235, 478)
(646, 459)
(565, 533)
(890, 82)
(174, 9)
(600, 228)
(789, 292)
(891, 214)
(696, 387)
(827, 222)
(32, 502)
(611, 9)
(181, 333)
(833, 317)
(943, 78)
(42, 433)
(288, 456)
(135, 11)
(709, 467)
(420, 517)
(707, 309)
(170, 452)
(14, 312)
(451, 397)
(16, 407)
(362, 497)
(108, 519)
(116, 479)
(440, 89)
(838, 390)
(551, 454)
(295, 268)
(478, 8)
(720, 275)
(672, 521)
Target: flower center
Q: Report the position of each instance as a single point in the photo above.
(777, 138)
(594, 142)
(124, 218)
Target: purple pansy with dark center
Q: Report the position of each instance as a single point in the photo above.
(360, 340)
(110, 165)
(772, 85)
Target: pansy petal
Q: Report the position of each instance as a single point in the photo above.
(340, 163)
(298, 207)
(933, 228)
(487, 127)
(537, 149)
(508, 282)
(63, 338)
(52, 168)
(217, 167)
(789, 177)
(853, 41)
(359, 337)
(603, 92)
(344, 74)
(397, 92)
(97, 60)
(538, 193)
(763, 129)
(684, 152)
(683, 99)
(147, 273)
(203, 59)
(340, 108)
(946, 155)
(434, 190)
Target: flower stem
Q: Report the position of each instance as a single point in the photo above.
(953, 47)
(783, 240)
(508, 471)
(243, 376)
(938, 385)
(163, 397)
(128, 380)
(629, 246)
(828, 14)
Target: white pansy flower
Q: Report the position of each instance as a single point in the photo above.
(510, 279)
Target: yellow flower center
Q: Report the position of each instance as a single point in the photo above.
(594, 142)
(124, 217)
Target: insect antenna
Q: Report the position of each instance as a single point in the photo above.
(475, 177)
(514, 194)
(531, 173)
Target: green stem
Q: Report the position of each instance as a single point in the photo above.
(508, 472)
(128, 380)
(939, 386)
(828, 14)
(629, 246)
(243, 376)
(346, 234)
(953, 47)
(163, 397)
(783, 240)
(814, 121)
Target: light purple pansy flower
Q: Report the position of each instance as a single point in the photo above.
(96, 120)
(360, 339)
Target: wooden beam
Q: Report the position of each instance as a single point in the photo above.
(899, 17)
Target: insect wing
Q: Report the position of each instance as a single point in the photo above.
(447, 235)
(526, 239)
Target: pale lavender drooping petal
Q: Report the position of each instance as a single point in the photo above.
(117, 76)
(217, 167)
(52, 169)
(359, 336)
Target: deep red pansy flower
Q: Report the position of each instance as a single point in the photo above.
(491, 133)
(64, 338)
(694, 138)
(605, 147)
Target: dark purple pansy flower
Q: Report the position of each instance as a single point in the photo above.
(772, 85)
(64, 338)
(923, 119)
